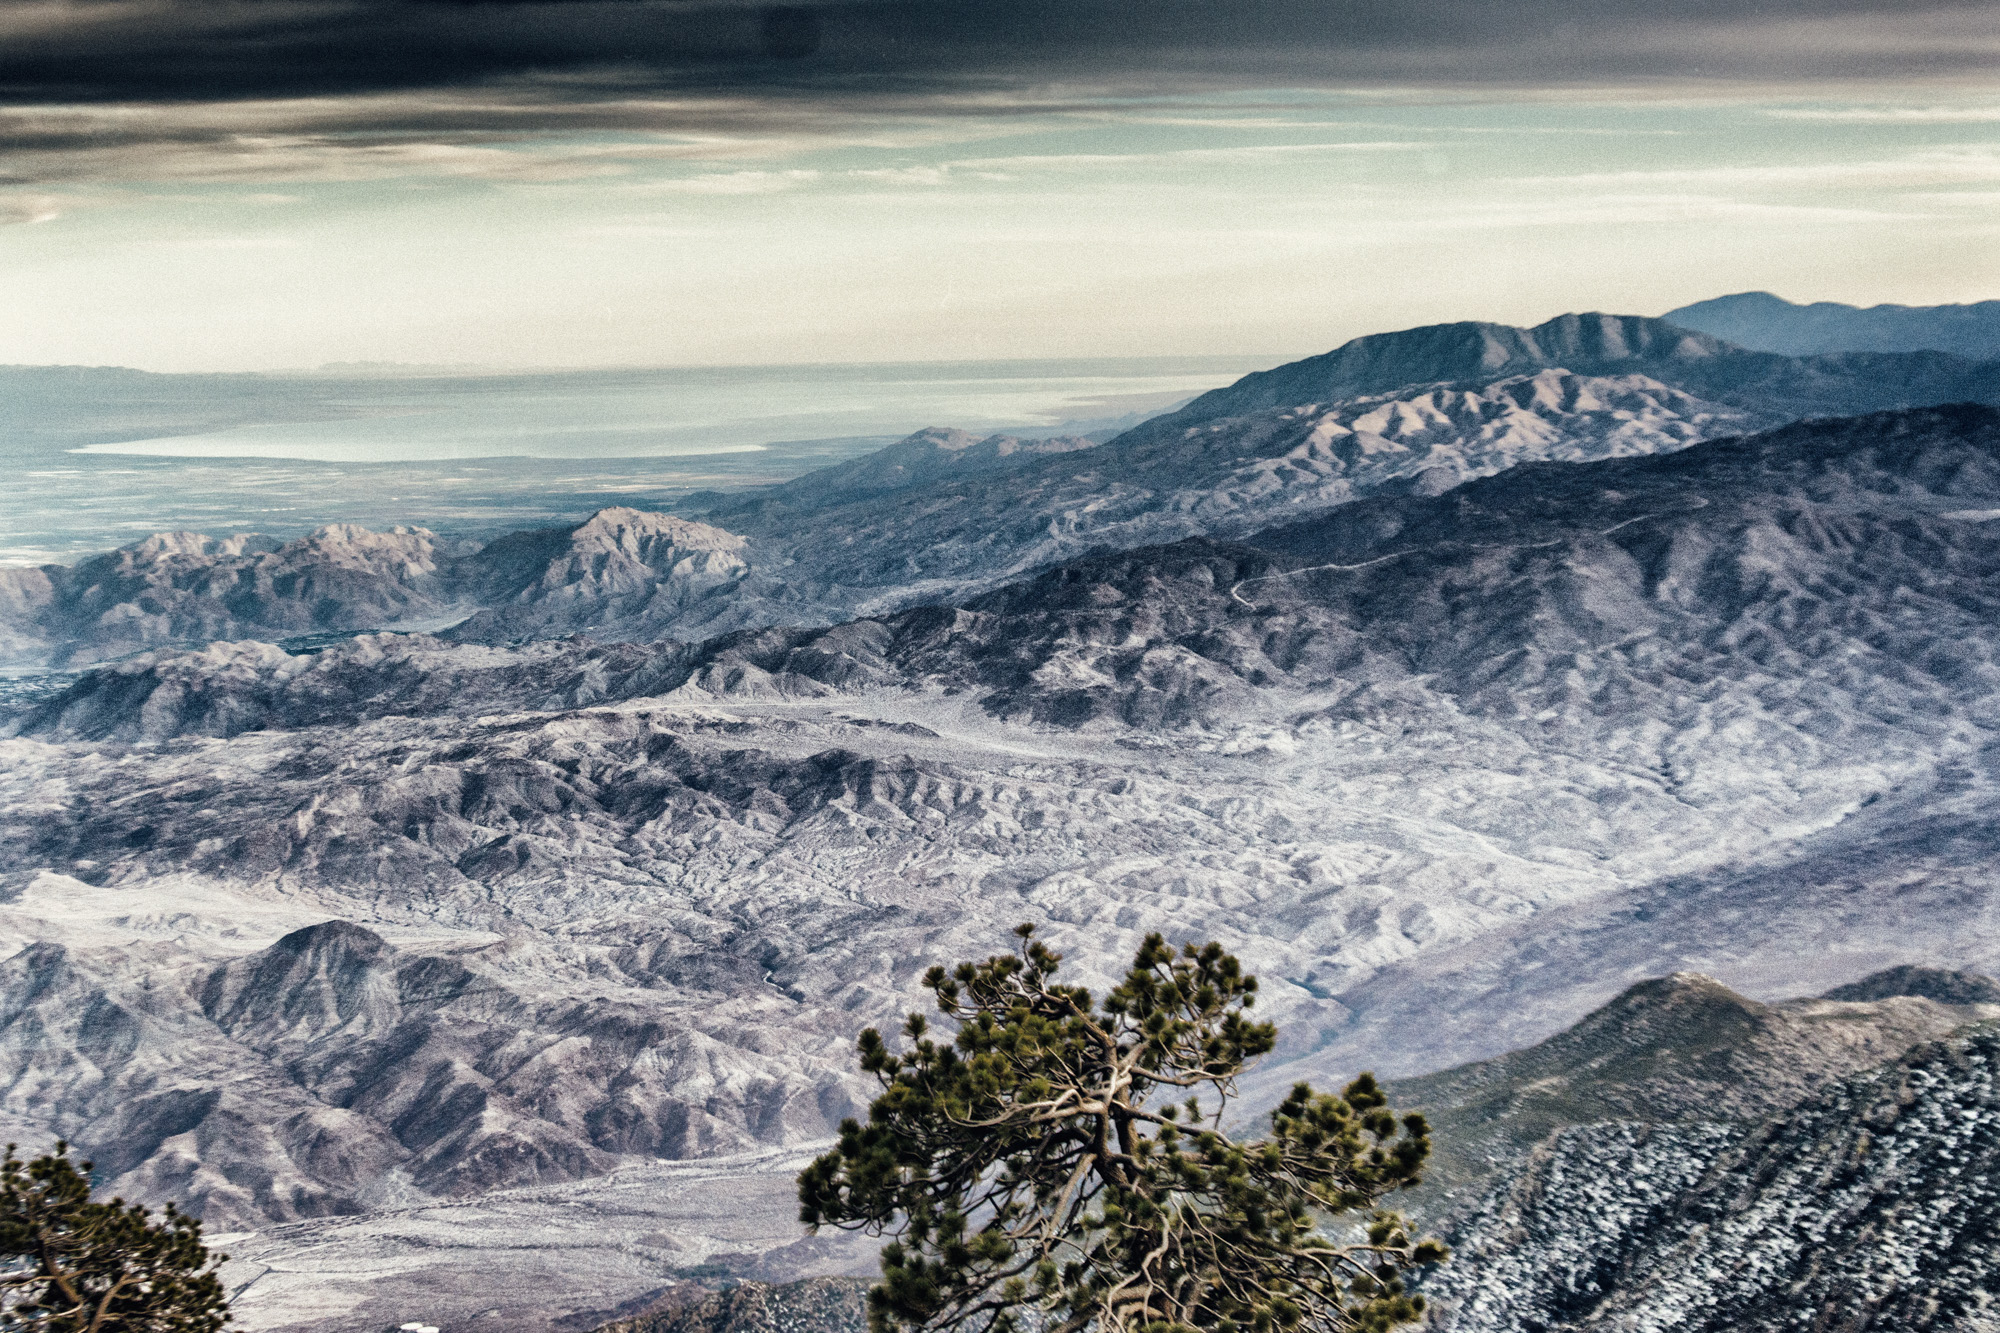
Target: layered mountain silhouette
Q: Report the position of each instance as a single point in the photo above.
(620, 567)
(1772, 324)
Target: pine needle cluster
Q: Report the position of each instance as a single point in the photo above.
(1028, 1180)
(71, 1265)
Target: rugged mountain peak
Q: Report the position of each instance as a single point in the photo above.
(618, 565)
(1466, 352)
(309, 984)
(1924, 983)
(412, 550)
(647, 537)
(163, 547)
(331, 938)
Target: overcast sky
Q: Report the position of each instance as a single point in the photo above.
(247, 184)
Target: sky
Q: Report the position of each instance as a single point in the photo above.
(266, 184)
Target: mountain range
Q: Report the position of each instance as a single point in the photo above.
(1460, 681)
(942, 515)
(1772, 324)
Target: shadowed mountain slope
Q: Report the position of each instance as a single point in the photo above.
(1850, 550)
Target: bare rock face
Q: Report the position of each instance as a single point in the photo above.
(622, 574)
(177, 587)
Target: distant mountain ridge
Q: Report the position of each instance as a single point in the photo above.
(946, 515)
(1592, 343)
(1467, 352)
(933, 454)
(1772, 324)
(180, 588)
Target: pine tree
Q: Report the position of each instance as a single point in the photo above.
(71, 1265)
(1025, 1179)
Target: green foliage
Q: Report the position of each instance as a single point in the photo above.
(1029, 1172)
(69, 1265)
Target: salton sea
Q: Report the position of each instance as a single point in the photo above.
(101, 457)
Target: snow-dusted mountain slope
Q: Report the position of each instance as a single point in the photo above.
(942, 515)
(1682, 1049)
(1773, 324)
(1871, 1206)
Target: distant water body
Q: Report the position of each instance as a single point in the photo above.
(100, 458)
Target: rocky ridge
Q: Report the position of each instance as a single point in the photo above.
(620, 565)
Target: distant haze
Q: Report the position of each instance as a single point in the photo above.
(1772, 324)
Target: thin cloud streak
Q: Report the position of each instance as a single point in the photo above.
(1890, 115)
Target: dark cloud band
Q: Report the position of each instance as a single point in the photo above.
(207, 49)
(239, 90)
